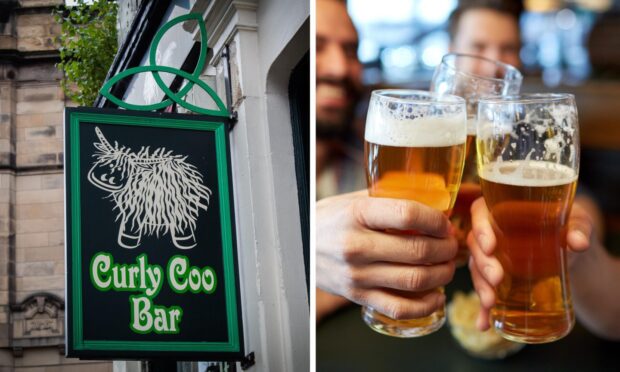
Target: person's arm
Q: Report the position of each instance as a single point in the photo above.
(593, 273)
(394, 273)
(594, 278)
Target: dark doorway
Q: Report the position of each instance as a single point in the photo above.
(299, 98)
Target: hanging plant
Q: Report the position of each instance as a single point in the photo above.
(87, 47)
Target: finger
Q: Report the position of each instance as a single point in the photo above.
(488, 266)
(403, 277)
(399, 214)
(375, 246)
(483, 322)
(483, 288)
(580, 228)
(481, 226)
(486, 294)
(577, 241)
(403, 306)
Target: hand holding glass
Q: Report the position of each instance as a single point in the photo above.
(528, 162)
(414, 149)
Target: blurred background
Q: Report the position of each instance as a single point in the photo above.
(564, 42)
(567, 46)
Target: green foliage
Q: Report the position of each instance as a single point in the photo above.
(87, 47)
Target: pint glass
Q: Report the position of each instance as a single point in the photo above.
(471, 77)
(414, 149)
(528, 162)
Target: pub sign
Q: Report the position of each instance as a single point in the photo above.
(151, 264)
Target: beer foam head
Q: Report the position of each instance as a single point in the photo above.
(417, 132)
(529, 173)
(410, 118)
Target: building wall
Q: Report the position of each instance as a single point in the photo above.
(31, 194)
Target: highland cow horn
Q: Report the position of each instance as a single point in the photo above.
(104, 142)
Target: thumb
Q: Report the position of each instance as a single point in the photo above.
(580, 228)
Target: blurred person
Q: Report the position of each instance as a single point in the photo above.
(339, 164)
(487, 28)
(339, 158)
(355, 258)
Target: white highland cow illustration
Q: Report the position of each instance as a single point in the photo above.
(153, 193)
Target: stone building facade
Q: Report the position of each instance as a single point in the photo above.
(31, 193)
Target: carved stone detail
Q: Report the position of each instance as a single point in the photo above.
(40, 315)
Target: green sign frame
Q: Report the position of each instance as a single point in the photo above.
(77, 344)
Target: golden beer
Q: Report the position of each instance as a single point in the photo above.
(429, 175)
(412, 161)
(529, 202)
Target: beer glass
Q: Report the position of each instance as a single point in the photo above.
(528, 162)
(414, 149)
(471, 77)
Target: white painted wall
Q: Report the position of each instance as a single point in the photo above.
(279, 21)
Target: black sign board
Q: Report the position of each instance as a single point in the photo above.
(150, 241)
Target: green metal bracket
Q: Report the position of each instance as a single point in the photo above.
(193, 78)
